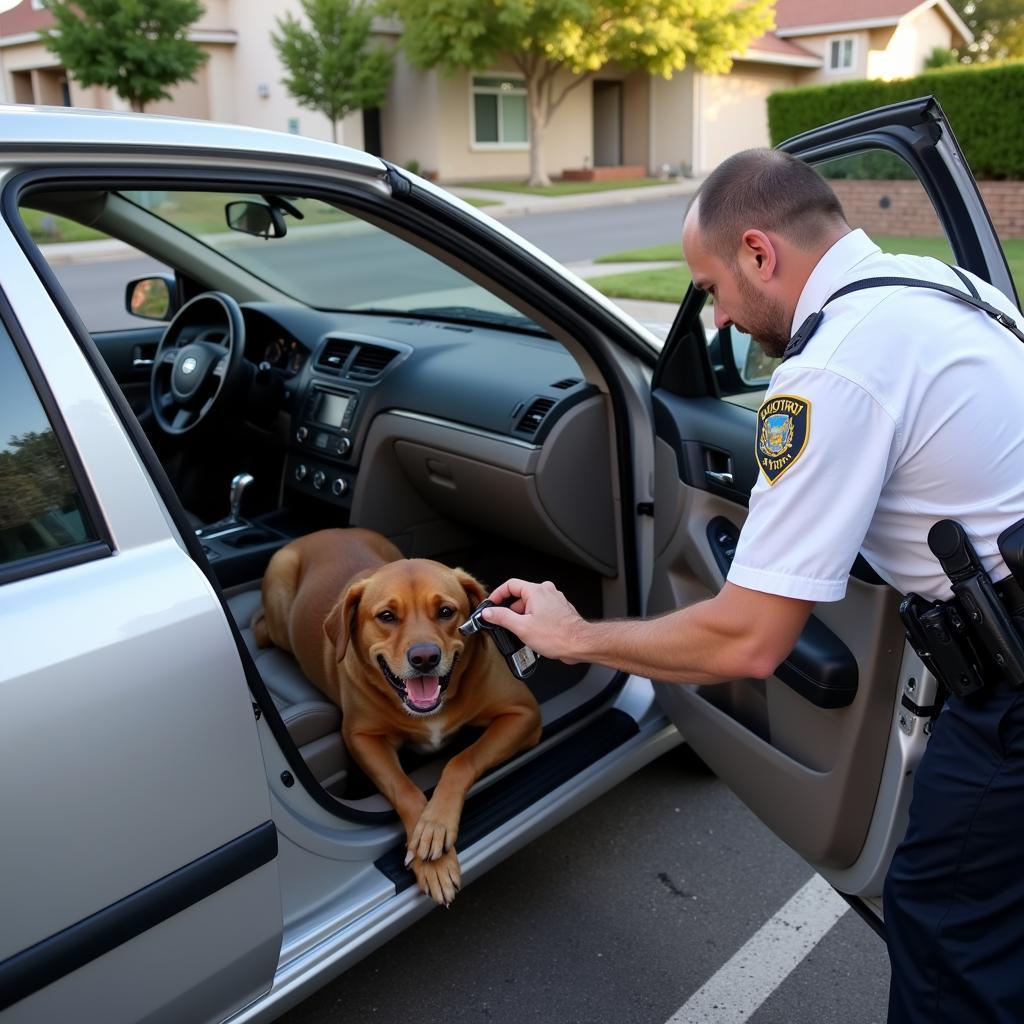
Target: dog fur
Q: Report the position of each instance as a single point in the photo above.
(363, 622)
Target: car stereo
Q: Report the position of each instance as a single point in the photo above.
(327, 418)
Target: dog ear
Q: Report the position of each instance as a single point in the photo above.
(340, 622)
(474, 589)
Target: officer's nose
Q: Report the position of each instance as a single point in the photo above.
(722, 319)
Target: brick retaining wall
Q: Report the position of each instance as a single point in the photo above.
(902, 208)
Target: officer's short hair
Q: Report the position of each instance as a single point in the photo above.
(767, 190)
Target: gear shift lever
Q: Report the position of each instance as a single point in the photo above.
(238, 485)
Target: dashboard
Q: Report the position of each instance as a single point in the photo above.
(399, 419)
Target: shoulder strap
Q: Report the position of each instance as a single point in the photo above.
(810, 325)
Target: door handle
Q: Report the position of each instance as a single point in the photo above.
(138, 363)
(718, 467)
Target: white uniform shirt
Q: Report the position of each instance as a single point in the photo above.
(914, 412)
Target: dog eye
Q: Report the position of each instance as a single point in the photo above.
(386, 616)
(445, 611)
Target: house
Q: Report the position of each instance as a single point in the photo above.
(473, 125)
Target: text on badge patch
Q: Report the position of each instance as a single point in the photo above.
(783, 427)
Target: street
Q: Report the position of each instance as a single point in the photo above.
(634, 910)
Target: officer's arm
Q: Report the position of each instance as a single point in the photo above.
(738, 633)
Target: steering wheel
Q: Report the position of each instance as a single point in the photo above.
(197, 363)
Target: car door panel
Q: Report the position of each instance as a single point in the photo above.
(811, 748)
(129, 356)
(128, 740)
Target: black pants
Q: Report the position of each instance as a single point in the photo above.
(954, 897)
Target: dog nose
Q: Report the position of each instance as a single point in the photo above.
(424, 657)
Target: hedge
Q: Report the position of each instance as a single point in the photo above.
(984, 105)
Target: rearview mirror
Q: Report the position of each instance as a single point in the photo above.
(255, 219)
(152, 298)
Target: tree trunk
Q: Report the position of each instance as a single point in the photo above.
(538, 124)
(137, 105)
(334, 131)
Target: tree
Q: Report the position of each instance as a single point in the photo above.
(135, 47)
(998, 27)
(940, 57)
(329, 66)
(548, 40)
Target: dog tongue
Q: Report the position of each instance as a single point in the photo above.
(423, 691)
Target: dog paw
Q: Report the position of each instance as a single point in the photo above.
(435, 832)
(438, 879)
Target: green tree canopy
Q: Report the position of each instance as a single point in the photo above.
(136, 47)
(998, 27)
(546, 38)
(330, 68)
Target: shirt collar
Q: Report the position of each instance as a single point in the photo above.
(837, 262)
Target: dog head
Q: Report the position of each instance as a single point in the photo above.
(402, 622)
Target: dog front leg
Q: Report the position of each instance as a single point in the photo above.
(378, 757)
(441, 878)
(438, 825)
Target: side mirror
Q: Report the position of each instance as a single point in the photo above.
(255, 219)
(152, 298)
(754, 366)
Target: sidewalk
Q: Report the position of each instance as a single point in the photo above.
(519, 204)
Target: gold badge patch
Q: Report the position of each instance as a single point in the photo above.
(783, 427)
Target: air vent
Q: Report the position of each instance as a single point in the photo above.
(334, 354)
(370, 362)
(530, 421)
(569, 382)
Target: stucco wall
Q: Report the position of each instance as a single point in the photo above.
(567, 140)
(733, 110)
(822, 45)
(673, 105)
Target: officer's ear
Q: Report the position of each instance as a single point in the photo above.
(758, 252)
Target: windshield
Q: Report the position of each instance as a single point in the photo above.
(331, 259)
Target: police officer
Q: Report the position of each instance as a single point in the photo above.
(894, 407)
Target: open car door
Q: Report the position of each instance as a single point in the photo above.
(824, 751)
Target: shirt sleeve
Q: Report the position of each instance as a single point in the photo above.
(824, 449)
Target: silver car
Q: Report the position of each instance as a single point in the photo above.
(244, 337)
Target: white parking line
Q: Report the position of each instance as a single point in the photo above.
(735, 991)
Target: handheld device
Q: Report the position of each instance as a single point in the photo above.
(521, 660)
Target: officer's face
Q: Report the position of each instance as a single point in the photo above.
(738, 300)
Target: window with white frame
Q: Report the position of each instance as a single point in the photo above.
(499, 111)
(840, 54)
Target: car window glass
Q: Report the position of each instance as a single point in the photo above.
(92, 268)
(41, 510)
(881, 195)
(328, 258)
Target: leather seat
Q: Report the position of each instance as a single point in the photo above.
(313, 722)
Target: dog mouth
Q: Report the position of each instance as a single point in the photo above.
(420, 694)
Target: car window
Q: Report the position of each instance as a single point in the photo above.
(880, 194)
(328, 258)
(92, 268)
(41, 510)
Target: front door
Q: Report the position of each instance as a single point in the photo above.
(607, 124)
(824, 751)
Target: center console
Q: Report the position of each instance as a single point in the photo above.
(323, 441)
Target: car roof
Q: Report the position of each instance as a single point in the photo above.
(23, 126)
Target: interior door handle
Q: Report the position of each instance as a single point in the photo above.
(726, 478)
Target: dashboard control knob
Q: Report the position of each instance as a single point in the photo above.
(344, 446)
(318, 479)
(301, 434)
(300, 472)
(339, 486)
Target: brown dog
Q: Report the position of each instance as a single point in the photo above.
(378, 634)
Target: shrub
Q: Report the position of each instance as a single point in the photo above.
(981, 103)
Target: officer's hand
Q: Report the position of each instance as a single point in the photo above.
(540, 616)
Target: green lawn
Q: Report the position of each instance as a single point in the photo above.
(563, 188)
(668, 285)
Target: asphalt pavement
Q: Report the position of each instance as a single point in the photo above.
(620, 915)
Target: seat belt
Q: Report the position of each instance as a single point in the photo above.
(799, 340)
